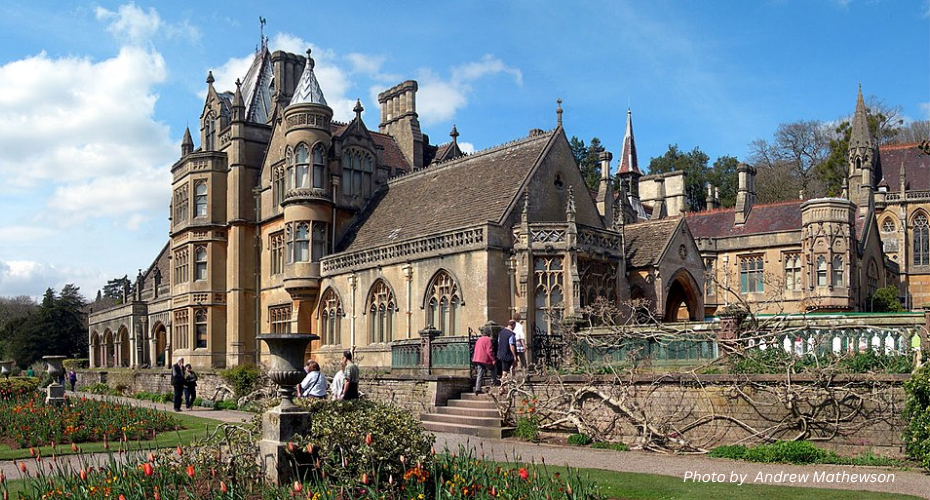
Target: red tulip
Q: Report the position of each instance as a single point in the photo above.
(298, 486)
(190, 471)
(2, 477)
(180, 451)
(122, 497)
(83, 475)
(148, 469)
(310, 448)
(368, 439)
(365, 478)
(291, 448)
(74, 447)
(157, 496)
(22, 466)
(223, 487)
(32, 451)
(524, 475)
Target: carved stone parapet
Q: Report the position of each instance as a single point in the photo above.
(455, 241)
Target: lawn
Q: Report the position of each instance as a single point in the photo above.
(634, 486)
(193, 428)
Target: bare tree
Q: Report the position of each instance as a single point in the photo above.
(796, 149)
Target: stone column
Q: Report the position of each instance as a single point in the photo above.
(426, 341)
(408, 279)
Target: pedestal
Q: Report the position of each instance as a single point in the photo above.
(278, 429)
(55, 394)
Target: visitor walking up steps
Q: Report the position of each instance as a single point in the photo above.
(483, 358)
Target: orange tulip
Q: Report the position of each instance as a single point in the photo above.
(291, 448)
(22, 466)
(298, 487)
(310, 448)
(74, 447)
(180, 451)
(365, 478)
(83, 475)
(32, 451)
(151, 457)
(148, 469)
(157, 496)
(122, 497)
(190, 471)
(223, 487)
(368, 439)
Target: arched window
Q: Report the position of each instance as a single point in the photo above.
(319, 241)
(381, 306)
(200, 199)
(888, 225)
(821, 271)
(200, 264)
(301, 243)
(289, 177)
(277, 185)
(838, 271)
(872, 277)
(319, 168)
(357, 170)
(792, 271)
(331, 318)
(443, 304)
(301, 167)
(209, 132)
(751, 269)
(200, 328)
(548, 273)
(921, 241)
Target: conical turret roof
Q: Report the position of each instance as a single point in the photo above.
(860, 137)
(628, 161)
(308, 88)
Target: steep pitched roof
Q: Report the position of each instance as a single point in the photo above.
(916, 167)
(257, 85)
(645, 241)
(774, 217)
(859, 135)
(628, 161)
(308, 89)
(459, 193)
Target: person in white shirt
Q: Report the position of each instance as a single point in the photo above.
(314, 384)
(519, 342)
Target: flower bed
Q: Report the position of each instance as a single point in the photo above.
(26, 421)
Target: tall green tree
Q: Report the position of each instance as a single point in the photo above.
(587, 159)
(58, 326)
(694, 164)
(723, 176)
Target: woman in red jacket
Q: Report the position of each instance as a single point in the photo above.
(483, 358)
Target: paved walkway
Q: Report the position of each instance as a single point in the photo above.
(907, 482)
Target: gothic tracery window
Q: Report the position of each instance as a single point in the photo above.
(793, 271)
(181, 204)
(279, 318)
(357, 170)
(276, 245)
(331, 318)
(301, 167)
(442, 307)
(200, 328)
(921, 240)
(821, 271)
(319, 247)
(200, 199)
(200, 263)
(548, 296)
(381, 307)
(278, 185)
(838, 271)
(872, 277)
(751, 270)
(319, 168)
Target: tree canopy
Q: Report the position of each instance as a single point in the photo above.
(697, 175)
(56, 326)
(586, 158)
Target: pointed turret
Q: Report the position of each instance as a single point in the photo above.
(308, 88)
(628, 161)
(187, 144)
(863, 159)
(859, 135)
(238, 103)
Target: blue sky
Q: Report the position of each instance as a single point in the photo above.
(94, 97)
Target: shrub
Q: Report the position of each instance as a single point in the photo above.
(917, 416)
(243, 378)
(97, 388)
(580, 439)
(349, 438)
(733, 452)
(225, 405)
(793, 452)
(885, 300)
(527, 428)
(872, 360)
(610, 446)
(15, 387)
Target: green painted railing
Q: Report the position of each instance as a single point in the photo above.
(673, 352)
(450, 352)
(405, 353)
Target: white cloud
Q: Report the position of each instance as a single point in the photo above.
(925, 107)
(24, 277)
(132, 25)
(364, 63)
(71, 122)
(467, 147)
(438, 99)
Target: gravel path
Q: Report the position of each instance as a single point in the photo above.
(908, 482)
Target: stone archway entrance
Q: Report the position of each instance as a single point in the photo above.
(683, 300)
(161, 345)
(124, 350)
(108, 349)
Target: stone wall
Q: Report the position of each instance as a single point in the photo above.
(715, 410)
(158, 381)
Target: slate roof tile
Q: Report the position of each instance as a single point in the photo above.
(645, 241)
(769, 218)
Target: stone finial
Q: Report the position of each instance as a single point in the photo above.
(526, 205)
(310, 60)
(558, 111)
(454, 135)
(570, 203)
(210, 78)
(358, 108)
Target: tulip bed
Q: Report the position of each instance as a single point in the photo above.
(26, 421)
(207, 473)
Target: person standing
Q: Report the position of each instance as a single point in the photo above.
(351, 373)
(177, 381)
(519, 338)
(190, 386)
(72, 378)
(483, 358)
(314, 383)
(506, 350)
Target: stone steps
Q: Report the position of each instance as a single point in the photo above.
(471, 414)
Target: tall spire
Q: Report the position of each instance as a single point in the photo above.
(308, 89)
(187, 143)
(628, 161)
(860, 136)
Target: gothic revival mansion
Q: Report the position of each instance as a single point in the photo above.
(284, 220)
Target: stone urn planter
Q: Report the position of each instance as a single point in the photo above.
(6, 367)
(286, 353)
(55, 391)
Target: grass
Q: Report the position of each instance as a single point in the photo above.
(636, 486)
(193, 428)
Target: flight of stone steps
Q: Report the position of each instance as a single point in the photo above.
(471, 414)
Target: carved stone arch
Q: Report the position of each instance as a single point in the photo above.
(159, 333)
(888, 224)
(683, 293)
(919, 231)
(381, 302)
(329, 314)
(442, 302)
(124, 352)
(918, 213)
